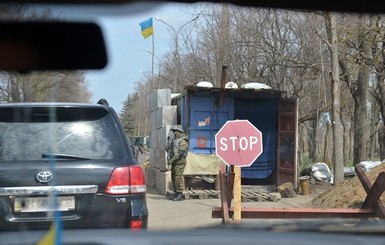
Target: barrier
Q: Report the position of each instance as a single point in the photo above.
(372, 206)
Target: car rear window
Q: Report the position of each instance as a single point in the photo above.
(29, 133)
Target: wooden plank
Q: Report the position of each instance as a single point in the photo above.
(224, 196)
(230, 185)
(237, 195)
(254, 198)
(248, 195)
(186, 195)
(251, 193)
(200, 194)
(213, 191)
(298, 213)
(257, 194)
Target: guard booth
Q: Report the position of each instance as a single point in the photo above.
(203, 111)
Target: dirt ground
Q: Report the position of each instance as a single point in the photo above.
(348, 194)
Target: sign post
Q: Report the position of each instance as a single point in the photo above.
(237, 195)
(238, 143)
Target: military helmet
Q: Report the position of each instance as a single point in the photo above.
(177, 128)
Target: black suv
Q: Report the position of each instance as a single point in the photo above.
(71, 160)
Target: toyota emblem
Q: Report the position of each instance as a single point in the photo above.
(44, 176)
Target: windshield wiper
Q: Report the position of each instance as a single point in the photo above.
(63, 156)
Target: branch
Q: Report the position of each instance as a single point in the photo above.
(313, 114)
(323, 39)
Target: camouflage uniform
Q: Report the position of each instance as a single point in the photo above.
(178, 163)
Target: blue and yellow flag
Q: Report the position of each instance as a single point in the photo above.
(147, 28)
(50, 237)
(53, 236)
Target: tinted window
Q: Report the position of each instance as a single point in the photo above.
(92, 136)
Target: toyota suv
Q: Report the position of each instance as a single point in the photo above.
(68, 160)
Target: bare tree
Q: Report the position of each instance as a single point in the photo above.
(355, 72)
(39, 86)
(286, 50)
(378, 63)
(44, 86)
(336, 107)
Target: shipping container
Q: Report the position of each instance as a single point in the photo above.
(203, 111)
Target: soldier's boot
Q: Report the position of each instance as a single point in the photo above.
(172, 196)
(178, 196)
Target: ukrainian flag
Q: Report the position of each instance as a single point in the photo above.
(50, 237)
(53, 236)
(147, 28)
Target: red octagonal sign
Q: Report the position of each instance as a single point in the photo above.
(238, 143)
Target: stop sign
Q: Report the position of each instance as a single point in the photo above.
(238, 143)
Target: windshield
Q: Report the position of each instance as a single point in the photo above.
(208, 114)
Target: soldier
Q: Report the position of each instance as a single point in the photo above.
(178, 161)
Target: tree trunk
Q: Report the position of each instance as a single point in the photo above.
(313, 141)
(381, 141)
(373, 130)
(326, 153)
(346, 140)
(351, 140)
(381, 104)
(336, 105)
(360, 97)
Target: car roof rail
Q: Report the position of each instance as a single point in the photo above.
(103, 102)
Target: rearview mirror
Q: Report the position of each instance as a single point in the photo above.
(26, 46)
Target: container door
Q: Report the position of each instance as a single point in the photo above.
(262, 113)
(287, 141)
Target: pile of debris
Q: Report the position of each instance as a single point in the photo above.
(349, 193)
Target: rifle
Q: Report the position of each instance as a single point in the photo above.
(170, 148)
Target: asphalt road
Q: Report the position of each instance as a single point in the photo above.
(196, 213)
(165, 214)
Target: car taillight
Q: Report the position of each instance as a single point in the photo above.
(137, 179)
(136, 224)
(126, 180)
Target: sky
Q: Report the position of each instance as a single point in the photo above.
(128, 60)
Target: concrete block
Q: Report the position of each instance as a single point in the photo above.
(166, 115)
(162, 136)
(158, 159)
(153, 120)
(154, 143)
(162, 160)
(163, 181)
(154, 163)
(159, 98)
(150, 177)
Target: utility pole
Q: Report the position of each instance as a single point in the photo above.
(224, 29)
(176, 53)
